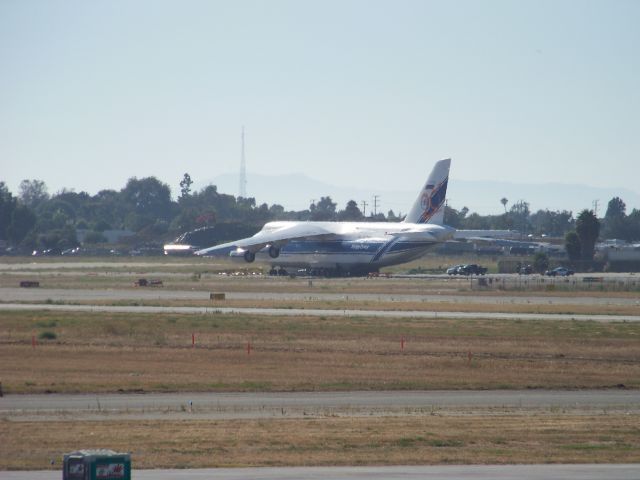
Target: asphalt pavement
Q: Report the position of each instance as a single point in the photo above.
(317, 312)
(303, 404)
(15, 294)
(435, 472)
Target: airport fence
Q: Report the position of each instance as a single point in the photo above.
(595, 283)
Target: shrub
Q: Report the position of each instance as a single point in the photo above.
(47, 335)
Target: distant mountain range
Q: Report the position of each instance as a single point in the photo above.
(296, 192)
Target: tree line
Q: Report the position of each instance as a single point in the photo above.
(35, 219)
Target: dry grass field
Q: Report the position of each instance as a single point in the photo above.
(332, 441)
(101, 352)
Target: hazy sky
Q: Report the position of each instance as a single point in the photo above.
(347, 92)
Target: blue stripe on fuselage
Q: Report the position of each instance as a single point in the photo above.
(384, 249)
(331, 246)
(344, 247)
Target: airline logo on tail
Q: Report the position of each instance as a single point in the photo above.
(428, 206)
(432, 200)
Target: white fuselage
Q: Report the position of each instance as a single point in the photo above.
(354, 245)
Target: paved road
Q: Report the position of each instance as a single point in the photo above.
(436, 472)
(299, 404)
(298, 312)
(72, 265)
(74, 295)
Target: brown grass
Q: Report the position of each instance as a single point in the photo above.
(332, 441)
(110, 352)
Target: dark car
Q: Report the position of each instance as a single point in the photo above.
(454, 270)
(472, 269)
(525, 270)
(559, 272)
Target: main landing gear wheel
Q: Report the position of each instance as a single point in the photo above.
(274, 252)
(249, 256)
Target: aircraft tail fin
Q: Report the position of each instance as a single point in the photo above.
(429, 206)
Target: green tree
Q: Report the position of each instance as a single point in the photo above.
(7, 205)
(150, 199)
(101, 226)
(634, 225)
(540, 262)
(108, 206)
(519, 213)
(22, 222)
(277, 211)
(55, 213)
(32, 193)
(455, 218)
(555, 224)
(324, 210)
(351, 213)
(588, 230)
(392, 217)
(185, 186)
(185, 220)
(477, 222)
(616, 222)
(615, 208)
(572, 245)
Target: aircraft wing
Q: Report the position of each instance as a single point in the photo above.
(485, 234)
(279, 237)
(433, 233)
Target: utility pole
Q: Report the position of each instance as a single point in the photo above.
(364, 208)
(595, 207)
(243, 170)
(375, 204)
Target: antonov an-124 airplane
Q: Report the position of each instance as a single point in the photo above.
(351, 248)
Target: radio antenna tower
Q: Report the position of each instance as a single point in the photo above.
(243, 170)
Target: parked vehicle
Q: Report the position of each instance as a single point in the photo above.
(525, 270)
(559, 272)
(454, 269)
(472, 269)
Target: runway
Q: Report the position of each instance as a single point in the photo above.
(435, 472)
(92, 295)
(304, 404)
(317, 312)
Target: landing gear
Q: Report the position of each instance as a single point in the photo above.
(249, 256)
(274, 252)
